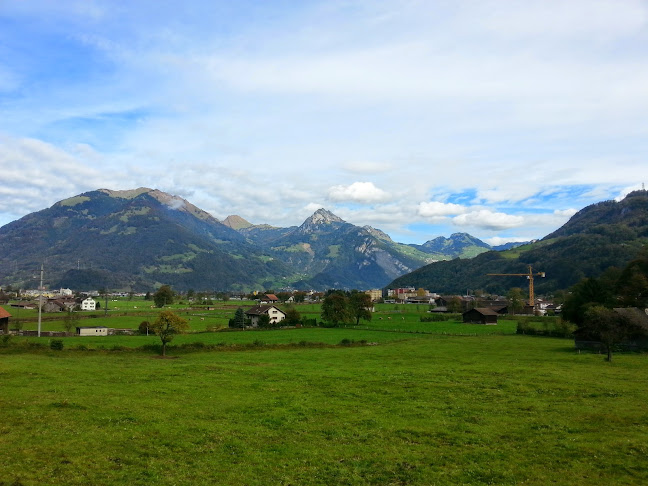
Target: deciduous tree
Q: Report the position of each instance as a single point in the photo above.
(360, 306)
(607, 326)
(293, 317)
(163, 296)
(516, 300)
(335, 309)
(167, 325)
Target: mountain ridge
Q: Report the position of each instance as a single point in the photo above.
(142, 238)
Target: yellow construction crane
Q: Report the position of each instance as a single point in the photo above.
(529, 275)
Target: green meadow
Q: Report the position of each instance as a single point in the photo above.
(297, 407)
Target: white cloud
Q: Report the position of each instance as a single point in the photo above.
(565, 213)
(487, 219)
(435, 209)
(500, 240)
(36, 174)
(360, 192)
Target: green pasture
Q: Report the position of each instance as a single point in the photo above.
(222, 338)
(423, 410)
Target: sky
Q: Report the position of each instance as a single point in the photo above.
(421, 118)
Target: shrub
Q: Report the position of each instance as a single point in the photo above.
(346, 342)
(56, 344)
(441, 317)
(145, 328)
(5, 340)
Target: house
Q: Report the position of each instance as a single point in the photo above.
(480, 315)
(92, 331)
(4, 321)
(269, 299)
(54, 306)
(88, 304)
(276, 315)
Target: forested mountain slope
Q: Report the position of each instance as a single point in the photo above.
(603, 235)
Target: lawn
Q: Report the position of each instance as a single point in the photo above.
(427, 409)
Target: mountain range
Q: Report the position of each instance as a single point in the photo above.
(142, 238)
(598, 238)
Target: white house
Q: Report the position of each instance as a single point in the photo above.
(276, 315)
(92, 331)
(88, 304)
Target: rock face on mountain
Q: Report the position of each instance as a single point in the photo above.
(600, 236)
(131, 240)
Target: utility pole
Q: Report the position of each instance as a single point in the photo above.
(40, 300)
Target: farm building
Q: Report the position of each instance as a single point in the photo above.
(480, 315)
(92, 331)
(4, 321)
(276, 315)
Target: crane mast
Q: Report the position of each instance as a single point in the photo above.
(529, 275)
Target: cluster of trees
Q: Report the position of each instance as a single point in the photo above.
(341, 307)
(591, 303)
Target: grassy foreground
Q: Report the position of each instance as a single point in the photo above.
(431, 410)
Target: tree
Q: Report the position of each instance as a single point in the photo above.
(455, 305)
(293, 317)
(335, 309)
(283, 296)
(144, 327)
(147, 296)
(191, 293)
(632, 283)
(167, 325)
(163, 296)
(587, 293)
(263, 320)
(607, 326)
(516, 300)
(70, 320)
(239, 318)
(360, 306)
(300, 296)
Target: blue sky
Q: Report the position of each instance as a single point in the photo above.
(421, 118)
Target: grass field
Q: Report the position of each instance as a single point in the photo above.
(414, 409)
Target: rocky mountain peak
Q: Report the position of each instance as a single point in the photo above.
(320, 218)
(323, 216)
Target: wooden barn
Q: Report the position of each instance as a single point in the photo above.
(4, 321)
(480, 315)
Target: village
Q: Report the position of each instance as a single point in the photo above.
(79, 306)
